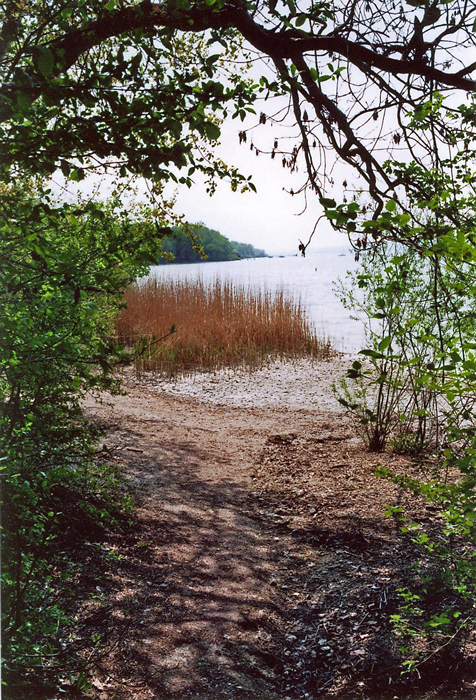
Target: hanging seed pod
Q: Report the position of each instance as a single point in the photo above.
(262, 118)
(305, 117)
(357, 256)
(272, 155)
(344, 184)
(275, 144)
(375, 116)
(396, 138)
(314, 144)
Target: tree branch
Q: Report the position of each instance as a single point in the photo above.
(282, 44)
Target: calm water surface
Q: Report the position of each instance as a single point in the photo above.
(310, 279)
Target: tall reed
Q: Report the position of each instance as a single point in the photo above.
(216, 325)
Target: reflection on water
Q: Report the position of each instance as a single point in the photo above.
(310, 279)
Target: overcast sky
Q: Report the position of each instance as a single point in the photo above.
(271, 218)
(268, 219)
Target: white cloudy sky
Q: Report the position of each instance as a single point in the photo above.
(271, 218)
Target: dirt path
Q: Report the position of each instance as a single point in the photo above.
(260, 564)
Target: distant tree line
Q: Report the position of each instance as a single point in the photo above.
(189, 244)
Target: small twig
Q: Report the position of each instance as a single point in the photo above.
(435, 651)
(366, 615)
(321, 687)
(154, 342)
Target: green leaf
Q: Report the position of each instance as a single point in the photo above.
(24, 101)
(45, 62)
(292, 6)
(77, 174)
(391, 205)
(432, 15)
(384, 344)
(212, 131)
(327, 203)
(372, 353)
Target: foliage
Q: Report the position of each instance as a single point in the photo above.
(246, 250)
(416, 335)
(212, 326)
(196, 242)
(123, 102)
(62, 272)
(140, 88)
(439, 610)
(421, 360)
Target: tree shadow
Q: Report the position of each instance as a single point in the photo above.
(188, 606)
(213, 596)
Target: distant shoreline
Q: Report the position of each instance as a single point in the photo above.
(340, 251)
(167, 263)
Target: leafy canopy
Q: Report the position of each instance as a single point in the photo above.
(140, 87)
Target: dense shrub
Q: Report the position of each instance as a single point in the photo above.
(62, 270)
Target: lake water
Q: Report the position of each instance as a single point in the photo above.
(310, 279)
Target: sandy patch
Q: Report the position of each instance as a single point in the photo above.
(260, 565)
(298, 385)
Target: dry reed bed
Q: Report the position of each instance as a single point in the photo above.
(217, 325)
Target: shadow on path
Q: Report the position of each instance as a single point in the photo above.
(218, 592)
(190, 606)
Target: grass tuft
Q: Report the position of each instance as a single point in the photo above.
(218, 325)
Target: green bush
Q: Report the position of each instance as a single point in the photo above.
(414, 390)
(63, 270)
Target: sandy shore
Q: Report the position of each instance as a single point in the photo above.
(259, 564)
(297, 385)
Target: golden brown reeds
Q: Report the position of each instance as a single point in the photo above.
(217, 325)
